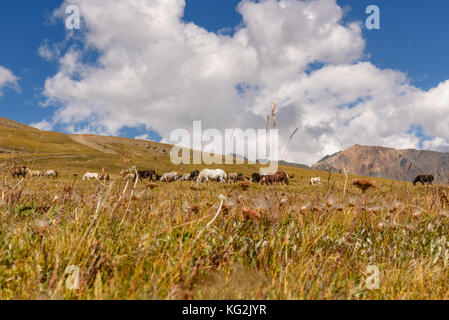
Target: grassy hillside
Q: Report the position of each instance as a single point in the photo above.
(71, 154)
(211, 241)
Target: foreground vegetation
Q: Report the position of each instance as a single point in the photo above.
(166, 241)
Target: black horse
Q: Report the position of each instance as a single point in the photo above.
(194, 175)
(423, 179)
(256, 177)
(147, 174)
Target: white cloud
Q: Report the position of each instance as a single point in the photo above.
(143, 137)
(163, 73)
(8, 79)
(43, 125)
(49, 51)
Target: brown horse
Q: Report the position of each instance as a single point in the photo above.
(279, 176)
(19, 172)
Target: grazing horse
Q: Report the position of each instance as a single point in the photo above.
(178, 177)
(423, 179)
(33, 173)
(105, 177)
(89, 175)
(185, 177)
(194, 175)
(147, 174)
(214, 175)
(236, 177)
(19, 172)
(279, 176)
(169, 177)
(256, 177)
(51, 173)
(314, 181)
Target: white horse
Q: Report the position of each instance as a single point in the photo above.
(89, 175)
(50, 173)
(32, 173)
(315, 181)
(214, 175)
(169, 177)
(185, 177)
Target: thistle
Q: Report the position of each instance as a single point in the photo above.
(364, 184)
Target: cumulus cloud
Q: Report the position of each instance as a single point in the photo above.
(8, 79)
(49, 51)
(154, 69)
(143, 137)
(43, 125)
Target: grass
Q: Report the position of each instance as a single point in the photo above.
(266, 242)
(161, 244)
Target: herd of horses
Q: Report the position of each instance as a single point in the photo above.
(198, 176)
(206, 175)
(24, 171)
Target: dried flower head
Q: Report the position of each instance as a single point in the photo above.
(417, 213)
(194, 187)
(126, 158)
(195, 209)
(151, 185)
(273, 113)
(245, 185)
(304, 208)
(283, 201)
(444, 213)
(394, 207)
(330, 202)
(352, 202)
(381, 226)
(373, 210)
(251, 214)
(364, 184)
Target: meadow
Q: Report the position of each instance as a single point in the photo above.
(221, 241)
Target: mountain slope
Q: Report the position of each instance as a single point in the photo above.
(41, 150)
(387, 162)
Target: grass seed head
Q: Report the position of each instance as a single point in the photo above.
(283, 201)
(417, 213)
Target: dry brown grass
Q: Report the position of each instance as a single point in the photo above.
(216, 241)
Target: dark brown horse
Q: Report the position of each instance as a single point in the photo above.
(19, 172)
(279, 176)
(423, 179)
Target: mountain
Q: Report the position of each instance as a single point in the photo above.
(294, 165)
(387, 162)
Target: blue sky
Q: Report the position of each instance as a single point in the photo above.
(413, 39)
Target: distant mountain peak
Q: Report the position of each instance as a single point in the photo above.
(386, 162)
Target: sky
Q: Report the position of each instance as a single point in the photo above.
(144, 68)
